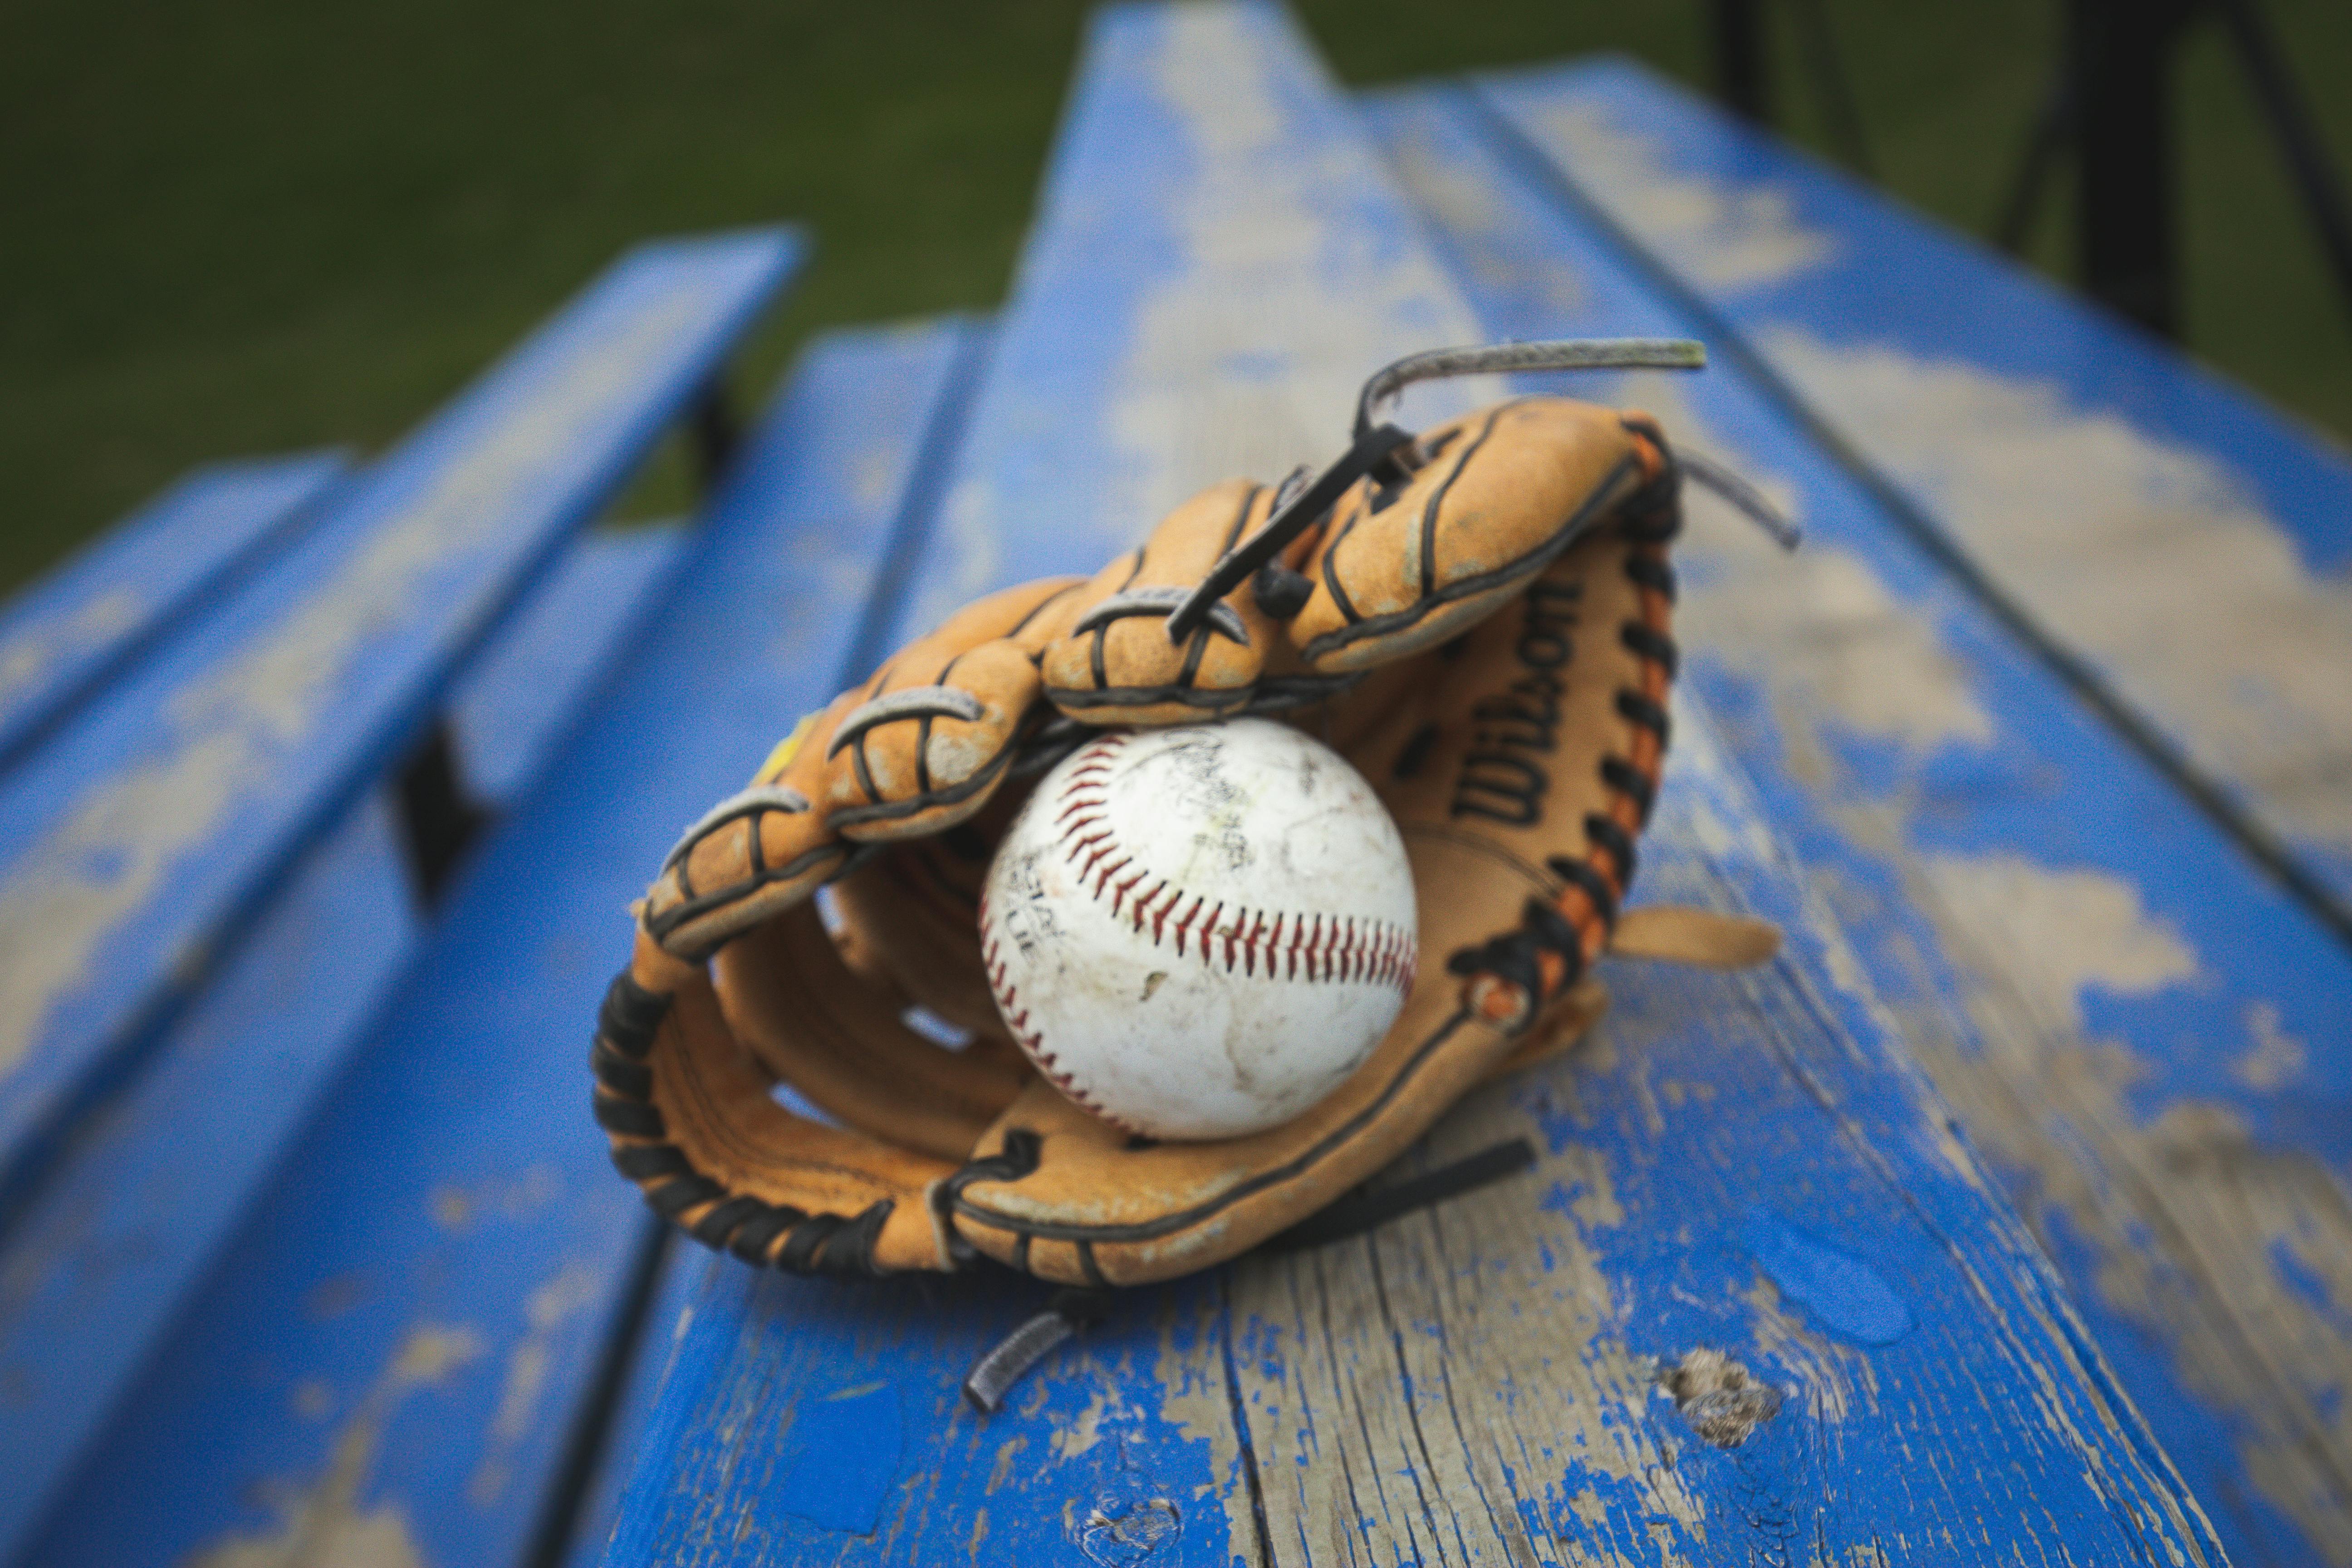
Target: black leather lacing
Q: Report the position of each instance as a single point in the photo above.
(1646, 640)
(1374, 446)
(1604, 831)
(1638, 708)
(1653, 573)
(1630, 782)
(1014, 1159)
(1580, 874)
(1369, 1207)
(1514, 955)
(739, 1222)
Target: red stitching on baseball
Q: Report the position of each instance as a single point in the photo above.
(1335, 949)
(1033, 1042)
(1185, 923)
(1339, 950)
(1118, 895)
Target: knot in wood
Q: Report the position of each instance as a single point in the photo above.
(1715, 1394)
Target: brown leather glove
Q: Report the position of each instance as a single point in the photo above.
(1479, 618)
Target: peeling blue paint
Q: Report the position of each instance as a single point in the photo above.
(841, 1458)
(1841, 1290)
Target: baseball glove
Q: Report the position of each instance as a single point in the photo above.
(1477, 617)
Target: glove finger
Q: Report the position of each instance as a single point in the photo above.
(785, 992)
(935, 730)
(1407, 563)
(882, 760)
(753, 855)
(1112, 662)
(930, 745)
(692, 1123)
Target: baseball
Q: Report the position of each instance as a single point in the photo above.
(1199, 932)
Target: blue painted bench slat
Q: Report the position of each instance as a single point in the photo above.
(392, 1353)
(68, 634)
(2187, 548)
(104, 1257)
(132, 848)
(2143, 1032)
(109, 1253)
(689, 1275)
(563, 641)
(1745, 1162)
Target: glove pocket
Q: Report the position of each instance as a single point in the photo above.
(692, 1121)
(785, 992)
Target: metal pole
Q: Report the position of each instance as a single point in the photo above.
(1840, 112)
(2053, 126)
(717, 433)
(1740, 77)
(2119, 56)
(2298, 136)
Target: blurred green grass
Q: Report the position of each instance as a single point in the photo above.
(258, 225)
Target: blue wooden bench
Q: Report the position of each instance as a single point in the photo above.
(2046, 702)
(221, 853)
(66, 636)
(2011, 1176)
(1754, 1165)
(405, 1338)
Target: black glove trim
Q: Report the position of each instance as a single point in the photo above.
(1167, 1225)
(739, 1222)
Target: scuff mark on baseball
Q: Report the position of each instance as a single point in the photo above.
(1199, 932)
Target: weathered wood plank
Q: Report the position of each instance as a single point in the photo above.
(2140, 1030)
(810, 1421)
(66, 636)
(1742, 1164)
(1293, 1411)
(647, 1358)
(389, 1360)
(104, 1257)
(132, 850)
(107, 1256)
(2188, 545)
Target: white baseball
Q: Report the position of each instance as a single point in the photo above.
(1199, 932)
